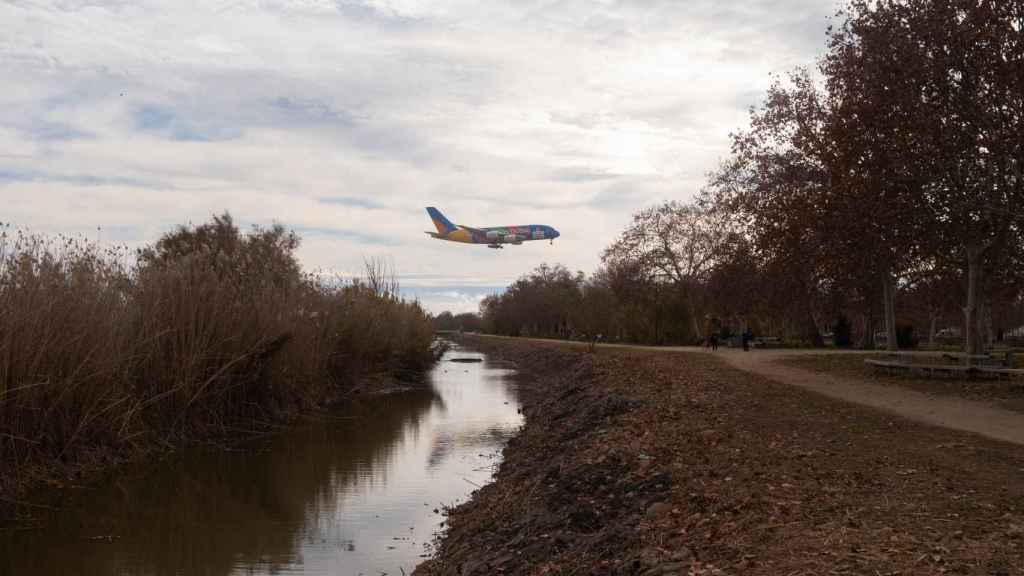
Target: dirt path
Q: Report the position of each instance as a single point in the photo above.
(955, 413)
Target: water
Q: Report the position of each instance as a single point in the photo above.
(352, 495)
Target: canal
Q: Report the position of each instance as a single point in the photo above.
(357, 493)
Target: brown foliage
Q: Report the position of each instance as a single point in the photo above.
(208, 331)
(888, 184)
(902, 167)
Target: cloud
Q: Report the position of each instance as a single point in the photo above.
(14, 175)
(581, 174)
(55, 131)
(310, 112)
(167, 123)
(357, 236)
(352, 201)
(344, 118)
(455, 299)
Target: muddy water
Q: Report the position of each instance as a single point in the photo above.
(352, 495)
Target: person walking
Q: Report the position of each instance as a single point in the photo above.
(746, 340)
(714, 341)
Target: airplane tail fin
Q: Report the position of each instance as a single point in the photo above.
(442, 224)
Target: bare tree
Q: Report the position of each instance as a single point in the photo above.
(672, 243)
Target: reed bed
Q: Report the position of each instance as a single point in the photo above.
(106, 351)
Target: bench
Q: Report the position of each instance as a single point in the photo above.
(901, 354)
(990, 359)
(904, 365)
(1008, 372)
(893, 366)
(888, 365)
(1005, 360)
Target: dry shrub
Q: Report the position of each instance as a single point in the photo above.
(205, 332)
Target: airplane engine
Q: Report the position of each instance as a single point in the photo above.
(494, 235)
(512, 239)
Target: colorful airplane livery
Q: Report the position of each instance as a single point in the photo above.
(494, 237)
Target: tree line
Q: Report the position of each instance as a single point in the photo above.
(879, 193)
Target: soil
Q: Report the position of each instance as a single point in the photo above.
(1007, 393)
(638, 462)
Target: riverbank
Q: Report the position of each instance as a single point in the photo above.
(635, 462)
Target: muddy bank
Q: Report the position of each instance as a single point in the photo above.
(648, 463)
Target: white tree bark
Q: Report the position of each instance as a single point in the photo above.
(868, 342)
(931, 329)
(889, 294)
(972, 340)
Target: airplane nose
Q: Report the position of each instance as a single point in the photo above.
(555, 233)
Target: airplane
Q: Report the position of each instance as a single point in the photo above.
(494, 237)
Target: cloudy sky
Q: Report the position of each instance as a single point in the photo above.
(343, 119)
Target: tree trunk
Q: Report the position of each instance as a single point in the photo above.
(931, 330)
(687, 292)
(986, 316)
(696, 325)
(657, 324)
(982, 329)
(868, 341)
(972, 340)
(889, 296)
(810, 328)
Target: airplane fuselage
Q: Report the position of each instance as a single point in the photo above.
(494, 236)
(499, 234)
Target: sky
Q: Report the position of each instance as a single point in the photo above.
(120, 119)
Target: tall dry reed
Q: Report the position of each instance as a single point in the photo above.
(205, 332)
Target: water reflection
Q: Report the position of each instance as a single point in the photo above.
(355, 495)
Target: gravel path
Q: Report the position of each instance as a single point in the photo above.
(956, 413)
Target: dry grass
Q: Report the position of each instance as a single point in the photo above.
(207, 332)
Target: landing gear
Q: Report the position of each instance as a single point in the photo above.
(495, 246)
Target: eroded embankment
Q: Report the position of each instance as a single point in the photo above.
(650, 463)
